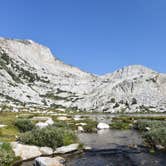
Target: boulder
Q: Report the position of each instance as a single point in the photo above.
(101, 126)
(77, 118)
(81, 124)
(41, 118)
(63, 118)
(50, 122)
(47, 161)
(25, 151)
(160, 147)
(42, 124)
(2, 126)
(46, 150)
(147, 128)
(67, 149)
(80, 128)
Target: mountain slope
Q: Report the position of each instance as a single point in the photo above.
(32, 77)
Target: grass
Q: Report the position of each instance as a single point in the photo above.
(122, 122)
(120, 125)
(8, 133)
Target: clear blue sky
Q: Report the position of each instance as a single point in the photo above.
(98, 36)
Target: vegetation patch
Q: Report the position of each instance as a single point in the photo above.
(53, 96)
(120, 125)
(7, 156)
(24, 125)
(121, 122)
(154, 132)
(156, 136)
(8, 134)
(50, 136)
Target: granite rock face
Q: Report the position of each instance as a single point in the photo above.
(32, 77)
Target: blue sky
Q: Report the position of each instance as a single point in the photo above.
(98, 36)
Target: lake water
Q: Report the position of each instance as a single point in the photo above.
(116, 148)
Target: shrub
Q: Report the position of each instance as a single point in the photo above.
(50, 136)
(7, 156)
(116, 105)
(142, 124)
(134, 101)
(113, 100)
(157, 136)
(24, 125)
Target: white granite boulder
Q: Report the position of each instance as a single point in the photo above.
(42, 124)
(29, 151)
(45, 124)
(2, 126)
(46, 150)
(67, 149)
(80, 129)
(50, 122)
(25, 151)
(63, 118)
(101, 126)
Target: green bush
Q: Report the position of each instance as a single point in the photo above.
(24, 125)
(7, 156)
(50, 136)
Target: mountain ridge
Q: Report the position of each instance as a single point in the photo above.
(31, 76)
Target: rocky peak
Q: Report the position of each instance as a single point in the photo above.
(32, 76)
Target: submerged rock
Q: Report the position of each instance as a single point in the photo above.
(160, 147)
(87, 148)
(47, 161)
